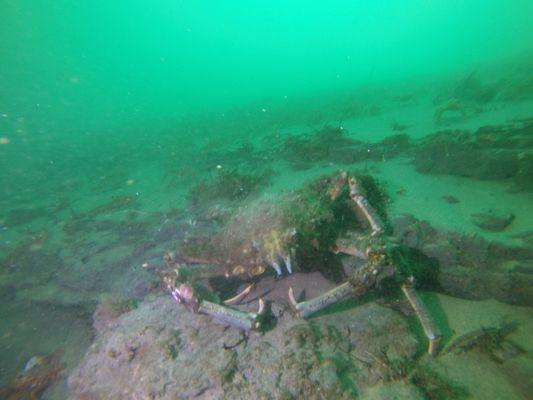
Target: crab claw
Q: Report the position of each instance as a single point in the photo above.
(236, 299)
(292, 301)
(309, 307)
(261, 309)
(362, 204)
(288, 264)
(276, 266)
(185, 294)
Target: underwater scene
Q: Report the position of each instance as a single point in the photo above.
(266, 200)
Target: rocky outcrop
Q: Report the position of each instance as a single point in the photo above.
(162, 351)
(500, 152)
(493, 220)
(467, 265)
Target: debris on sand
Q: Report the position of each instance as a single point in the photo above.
(493, 220)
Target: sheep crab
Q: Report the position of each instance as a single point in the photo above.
(307, 229)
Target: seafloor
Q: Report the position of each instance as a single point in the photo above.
(85, 222)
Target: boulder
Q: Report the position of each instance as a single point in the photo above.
(162, 351)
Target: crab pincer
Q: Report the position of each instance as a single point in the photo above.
(185, 294)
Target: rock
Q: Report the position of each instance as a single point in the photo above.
(493, 220)
(500, 152)
(162, 351)
(469, 266)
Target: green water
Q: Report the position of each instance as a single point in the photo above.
(124, 123)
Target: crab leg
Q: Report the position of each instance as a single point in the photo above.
(363, 279)
(422, 313)
(365, 208)
(185, 294)
(241, 319)
(309, 307)
(240, 296)
(276, 264)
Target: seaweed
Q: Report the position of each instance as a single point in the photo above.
(229, 184)
(326, 144)
(394, 145)
(320, 220)
(472, 89)
(459, 153)
(23, 216)
(332, 145)
(436, 388)
(29, 261)
(412, 262)
(117, 203)
(374, 194)
(491, 152)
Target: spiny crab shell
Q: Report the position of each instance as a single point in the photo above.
(254, 239)
(303, 228)
(335, 214)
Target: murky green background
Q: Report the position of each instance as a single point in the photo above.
(112, 111)
(71, 68)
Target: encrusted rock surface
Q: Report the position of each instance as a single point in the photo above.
(162, 351)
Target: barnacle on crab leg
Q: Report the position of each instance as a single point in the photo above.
(423, 315)
(364, 207)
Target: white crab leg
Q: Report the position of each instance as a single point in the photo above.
(288, 264)
(241, 319)
(309, 307)
(365, 208)
(423, 315)
(369, 214)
